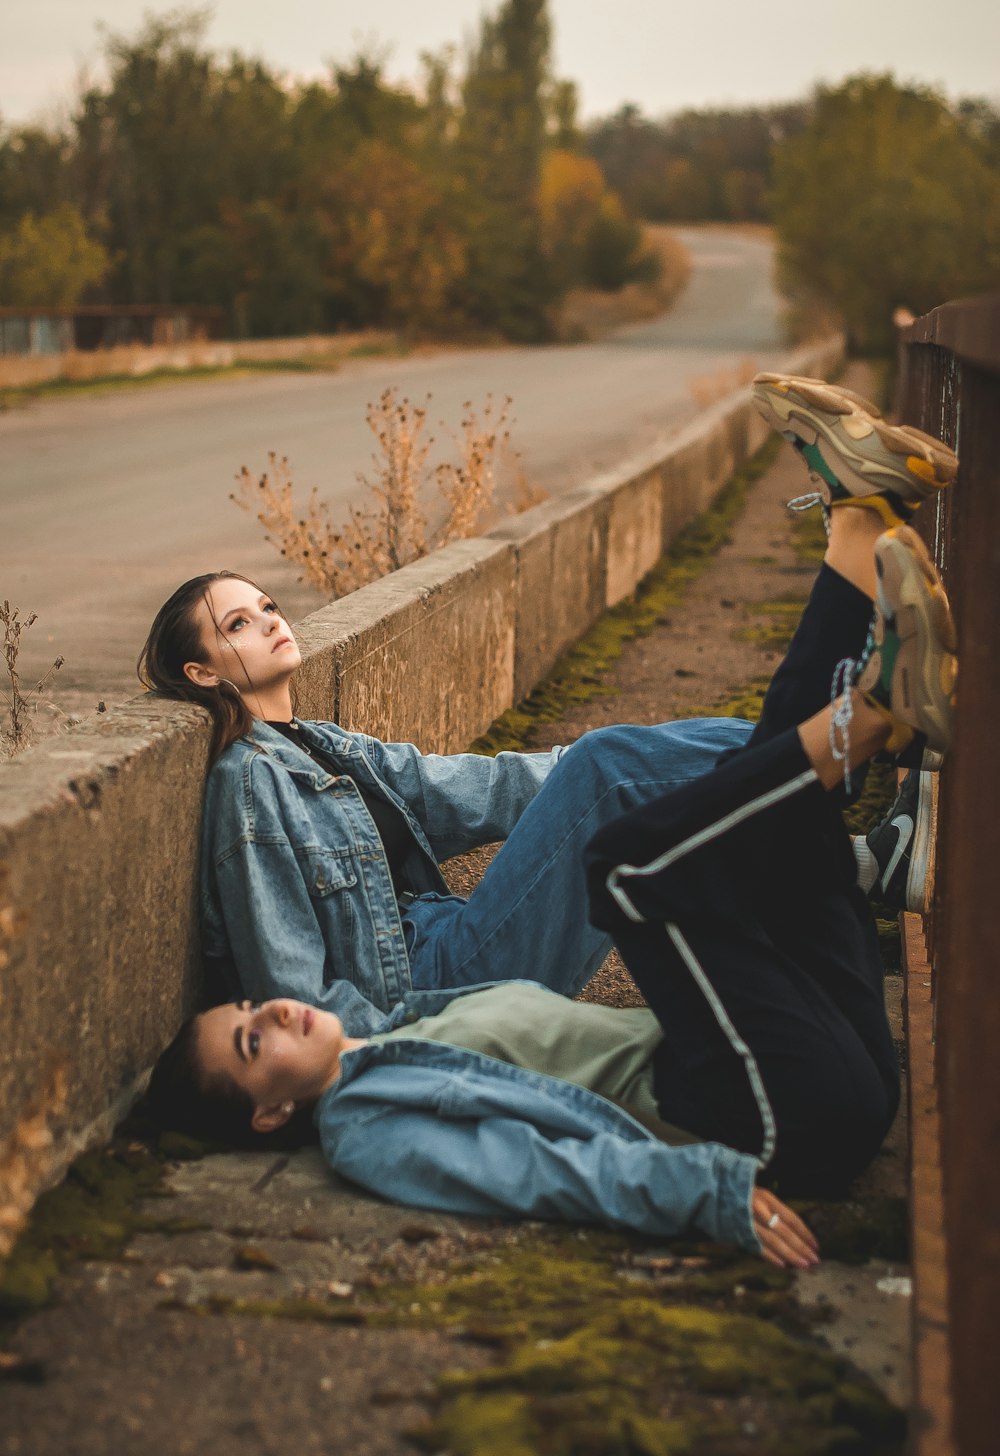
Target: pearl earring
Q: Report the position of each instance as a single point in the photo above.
(288, 1108)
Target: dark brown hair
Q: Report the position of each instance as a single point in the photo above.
(174, 639)
(182, 1096)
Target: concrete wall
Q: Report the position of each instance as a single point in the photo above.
(98, 828)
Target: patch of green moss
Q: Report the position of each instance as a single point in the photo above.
(601, 1349)
(776, 633)
(642, 1375)
(579, 675)
(91, 1214)
(745, 701)
(809, 536)
(310, 1310)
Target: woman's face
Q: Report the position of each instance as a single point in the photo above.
(278, 1053)
(244, 639)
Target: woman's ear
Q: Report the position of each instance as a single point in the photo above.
(269, 1119)
(202, 677)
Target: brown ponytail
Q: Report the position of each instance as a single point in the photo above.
(174, 639)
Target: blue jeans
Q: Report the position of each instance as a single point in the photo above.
(528, 917)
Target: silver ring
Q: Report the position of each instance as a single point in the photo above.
(773, 1221)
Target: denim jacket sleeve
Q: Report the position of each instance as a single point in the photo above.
(462, 800)
(505, 1164)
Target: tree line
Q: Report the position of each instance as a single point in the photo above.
(467, 204)
(882, 195)
(473, 202)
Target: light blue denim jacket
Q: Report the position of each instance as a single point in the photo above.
(296, 895)
(440, 1127)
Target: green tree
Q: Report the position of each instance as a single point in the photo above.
(49, 261)
(695, 165)
(887, 199)
(498, 155)
(33, 172)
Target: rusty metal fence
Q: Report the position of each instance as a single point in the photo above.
(949, 385)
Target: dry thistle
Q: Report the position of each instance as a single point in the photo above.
(20, 704)
(391, 529)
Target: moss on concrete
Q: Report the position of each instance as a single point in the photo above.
(312, 1310)
(91, 1214)
(579, 675)
(607, 1345)
(590, 1363)
(809, 536)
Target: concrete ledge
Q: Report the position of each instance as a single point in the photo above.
(99, 828)
(422, 655)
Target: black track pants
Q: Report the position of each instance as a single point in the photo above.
(735, 906)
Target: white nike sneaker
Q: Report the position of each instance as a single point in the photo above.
(901, 846)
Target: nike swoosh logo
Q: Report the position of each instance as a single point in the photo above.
(904, 824)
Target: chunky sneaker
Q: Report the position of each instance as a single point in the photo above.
(909, 668)
(901, 847)
(852, 454)
(818, 389)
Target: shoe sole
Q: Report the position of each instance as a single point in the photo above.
(838, 421)
(911, 592)
(838, 399)
(919, 883)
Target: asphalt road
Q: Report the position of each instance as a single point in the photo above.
(106, 503)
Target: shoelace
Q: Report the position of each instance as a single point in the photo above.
(806, 503)
(842, 705)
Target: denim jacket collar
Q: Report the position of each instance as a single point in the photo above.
(268, 740)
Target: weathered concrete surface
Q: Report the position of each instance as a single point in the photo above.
(422, 655)
(561, 564)
(98, 828)
(98, 856)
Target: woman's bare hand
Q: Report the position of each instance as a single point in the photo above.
(784, 1238)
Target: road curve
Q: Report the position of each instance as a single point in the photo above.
(106, 503)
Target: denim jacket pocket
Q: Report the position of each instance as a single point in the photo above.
(326, 871)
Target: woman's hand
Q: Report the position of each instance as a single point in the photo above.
(783, 1236)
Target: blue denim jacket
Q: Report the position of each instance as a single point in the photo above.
(296, 895)
(437, 1126)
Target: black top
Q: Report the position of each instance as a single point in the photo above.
(393, 830)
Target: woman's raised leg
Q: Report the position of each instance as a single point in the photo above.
(737, 911)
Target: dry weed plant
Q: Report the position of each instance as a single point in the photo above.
(21, 702)
(394, 530)
(707, 388)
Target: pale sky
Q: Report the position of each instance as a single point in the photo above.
(656, 53)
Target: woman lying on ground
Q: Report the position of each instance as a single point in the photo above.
(736, 906)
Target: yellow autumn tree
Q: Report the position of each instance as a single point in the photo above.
(570, 189)
(588, 237)
(397, 239)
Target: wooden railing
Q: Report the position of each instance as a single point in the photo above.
(949, 385)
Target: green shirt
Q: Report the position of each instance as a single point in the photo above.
(599, 1047)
